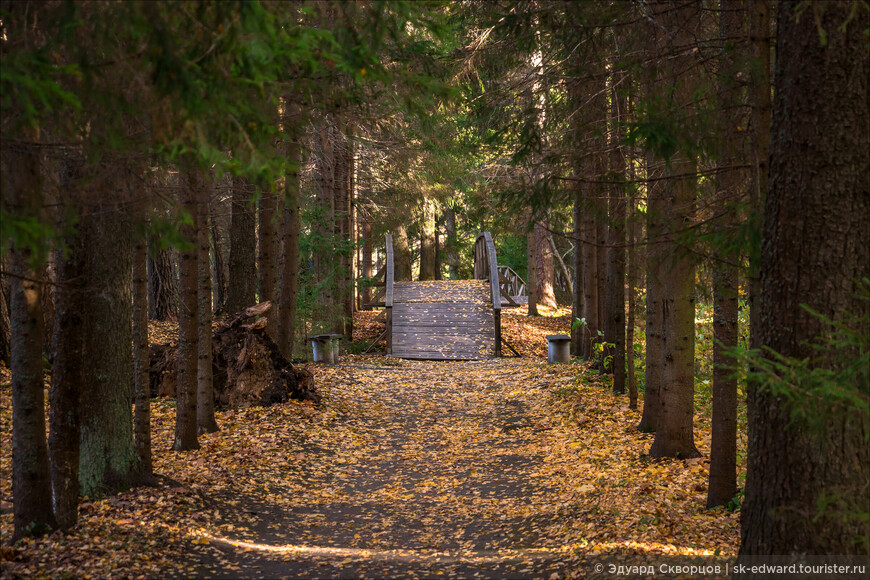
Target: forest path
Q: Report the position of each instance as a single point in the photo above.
(417, 469)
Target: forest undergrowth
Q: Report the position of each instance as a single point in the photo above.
(505, 468)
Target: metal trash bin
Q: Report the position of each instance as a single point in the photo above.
(325, 347)
(558, 348)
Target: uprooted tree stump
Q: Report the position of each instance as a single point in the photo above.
(247, 367)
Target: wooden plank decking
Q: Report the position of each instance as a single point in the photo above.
(443, 320)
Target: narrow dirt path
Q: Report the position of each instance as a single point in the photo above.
(420, 469)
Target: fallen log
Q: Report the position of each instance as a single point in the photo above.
(247, 367)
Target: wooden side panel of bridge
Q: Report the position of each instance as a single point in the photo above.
(443, 320)
(446, 319)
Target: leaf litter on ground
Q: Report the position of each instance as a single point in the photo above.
(501, 468)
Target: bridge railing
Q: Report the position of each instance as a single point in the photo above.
(486, 268)
(383, 280)
(383, 298)
(512, 283)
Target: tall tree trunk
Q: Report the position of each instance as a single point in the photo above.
(614, 331)
(759, 98)
(241, 284)
(141, 363)
(5, 326)
(675, 432)
(532, 282)
(205, 419)
(66, 378)
(290, 264)
(162, 286)
(141, 359)
(563, 268)
(325, 263)
(366, 246)
(654, 257)
(402, 255)
(439, 255)
(601, 256)
(631, 377)
(339, 227)
(218, 267)
(350, 273)
(723, 445)
(188, 322)
(590, 278)
(108, 460)
(48, 283)
(649, 420)
(577, 289)
(632, 269)
(452, 242)
(545, 273)
(427, 239)
(267, 253)
(31, 482)
(807, 481)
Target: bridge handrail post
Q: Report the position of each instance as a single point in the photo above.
(388, 289)
(488, 266)
(388, 274)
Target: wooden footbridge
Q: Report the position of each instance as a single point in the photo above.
(447, 319)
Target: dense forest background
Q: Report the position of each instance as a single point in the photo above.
(647, 164)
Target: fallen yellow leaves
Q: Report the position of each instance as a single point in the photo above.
(506, 467)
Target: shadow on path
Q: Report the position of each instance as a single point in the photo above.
(419, 469)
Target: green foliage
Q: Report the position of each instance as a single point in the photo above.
(833, 383)
(31, 233)
(164, 232)
(511, 251)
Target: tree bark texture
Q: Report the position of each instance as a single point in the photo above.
(577, 289)
(267, 252)
(162, 286)
(589, 250)
(188, 326)
(365, 225)
(653, 363)
(5, 327)
(675, 432)
(563, 268)
(48, 283)
(402, 255)
(349, 227)
(532, 261)
(654, 256)
(290, 262)
(241, 285)
(723, 446)
(759, 98)
(601, 252)
(614, 331)
(427, 239)
(141, 398)
(66, 373)
(814, 253)
(205, 419)
(108, 460)
(452, 248)
(545, 273)
(31, 482)
(218, 266)
(66, 383)
(324, 255)
(632, 283)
